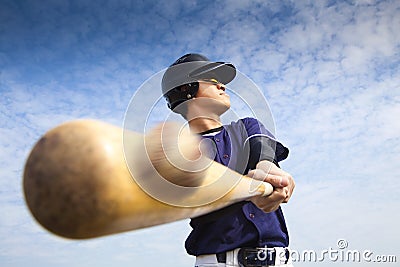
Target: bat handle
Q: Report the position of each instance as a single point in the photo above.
(253, 188)
(266, 189)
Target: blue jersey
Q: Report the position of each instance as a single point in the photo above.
(240, 146)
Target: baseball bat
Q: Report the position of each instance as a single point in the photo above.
(86, 179)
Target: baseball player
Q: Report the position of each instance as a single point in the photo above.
(248, 233)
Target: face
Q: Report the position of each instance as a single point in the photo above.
(220, 101)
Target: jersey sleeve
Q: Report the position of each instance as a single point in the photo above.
(262, 144)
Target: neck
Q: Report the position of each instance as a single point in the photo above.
(202, 124)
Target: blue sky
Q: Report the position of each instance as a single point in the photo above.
(329, 70)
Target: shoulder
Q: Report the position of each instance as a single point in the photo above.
(255, 127)
(248, 121)
(245, 122)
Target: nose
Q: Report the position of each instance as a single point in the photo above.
(221, 86)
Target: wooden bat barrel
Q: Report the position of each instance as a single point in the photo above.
(77, 183)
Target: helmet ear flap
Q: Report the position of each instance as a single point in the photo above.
(181, 94)
(190, 89)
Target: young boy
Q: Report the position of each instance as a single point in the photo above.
(248, 233)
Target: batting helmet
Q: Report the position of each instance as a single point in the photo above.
(188, 70)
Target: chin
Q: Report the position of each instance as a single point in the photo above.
(223, 108)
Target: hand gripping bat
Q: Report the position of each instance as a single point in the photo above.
(86, 179)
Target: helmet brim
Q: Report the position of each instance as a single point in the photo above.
(221, 71)
(194, 71)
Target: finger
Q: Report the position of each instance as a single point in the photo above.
(287, 194)
(274, 180)
(272, 169)
(277, 180)
(276, 196)
(257, 174)
(271, 202)
(265, 165)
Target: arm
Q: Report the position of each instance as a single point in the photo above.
(265, 153)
